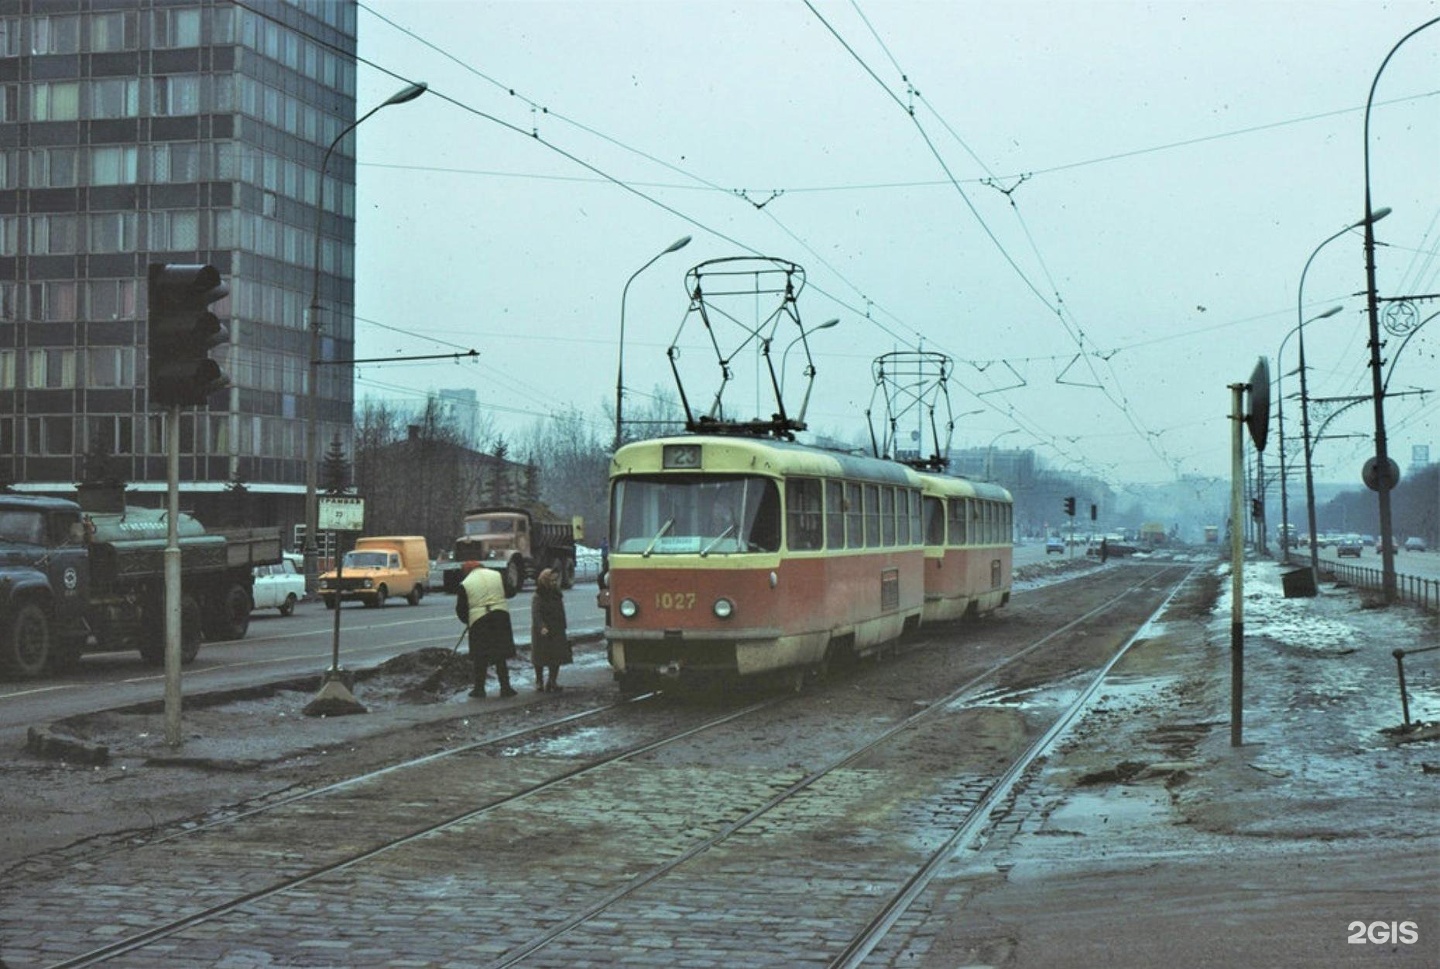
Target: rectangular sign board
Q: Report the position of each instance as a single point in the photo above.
(342, 514)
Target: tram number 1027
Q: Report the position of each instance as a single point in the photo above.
(678, 601)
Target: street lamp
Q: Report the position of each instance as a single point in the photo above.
(312, 414)
(990, 453)
(1383, 481)
(810, 368)
(1280, 420)
(680, 243)
(1370, 219)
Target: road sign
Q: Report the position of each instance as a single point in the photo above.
(342, 514)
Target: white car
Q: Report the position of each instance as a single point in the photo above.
(278, 586)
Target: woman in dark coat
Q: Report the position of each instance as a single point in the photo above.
(549, 644)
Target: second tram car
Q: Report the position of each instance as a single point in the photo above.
(734, 557)
(969, 547)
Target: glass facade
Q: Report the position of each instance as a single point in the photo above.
(172, 131)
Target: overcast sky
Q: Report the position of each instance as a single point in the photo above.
(1098, 210)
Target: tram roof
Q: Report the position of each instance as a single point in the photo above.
(736, 454)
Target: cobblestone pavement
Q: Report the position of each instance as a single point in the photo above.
(1145, 840)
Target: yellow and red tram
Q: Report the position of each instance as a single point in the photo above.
(969, 547)
(734, 557)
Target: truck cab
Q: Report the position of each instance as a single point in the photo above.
(44, 582)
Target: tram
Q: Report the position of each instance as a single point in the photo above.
(969, 547)
(735, 557)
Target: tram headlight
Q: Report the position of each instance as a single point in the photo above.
(628, 608)
(724, 608)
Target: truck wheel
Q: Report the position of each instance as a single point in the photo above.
(29, 649)
(230, 617)
(378, 602)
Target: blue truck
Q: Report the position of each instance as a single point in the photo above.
(74, 581)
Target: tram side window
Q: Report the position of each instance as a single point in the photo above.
(872, 515)
(957, 521)
(834, 514)
(803, 513)
(934, 517)
(902, 516)
(854, 517)
(887, 515)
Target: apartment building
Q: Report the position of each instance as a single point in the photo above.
(174, 131)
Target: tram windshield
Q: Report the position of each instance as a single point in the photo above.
(695, 515)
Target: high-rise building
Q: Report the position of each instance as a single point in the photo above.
(174, 131)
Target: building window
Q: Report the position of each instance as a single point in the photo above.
(55, 101)
(50, 369)
(61, 302)
(114, 165)
(110, 367)
(112, 32)
(174, 230)
(9, 102)
(111, 299)
(59, 435)
(7, 369)
(9, 235)
(178, 162)
(177, 28)
(177, 94)
(52, 168)
(10, 303)
(56, 35)
(114, 232)
(9, 169)
(9, 37)
(115, 97)
(53, 234)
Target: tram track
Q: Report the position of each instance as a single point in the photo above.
(602, 897)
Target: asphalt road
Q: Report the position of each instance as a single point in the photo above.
(276, 648)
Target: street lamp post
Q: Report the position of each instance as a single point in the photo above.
(1280, 420)
(804, 333)
(312, 413)
(1370, 219)
(680, 243)
(1383, 481)
(990, 453)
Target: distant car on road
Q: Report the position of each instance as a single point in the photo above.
(279, 586)
(1054, 544)
(1414, 544)
(1349, 546)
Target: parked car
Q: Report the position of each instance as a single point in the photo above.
(1349, 546)
(1414, 544)
(1054, 544)
(279, 586)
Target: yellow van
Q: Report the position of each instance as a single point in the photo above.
(377, 568)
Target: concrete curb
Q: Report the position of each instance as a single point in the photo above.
(44, 742)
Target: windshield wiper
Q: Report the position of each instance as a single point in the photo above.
(669, 523)
(716, 540)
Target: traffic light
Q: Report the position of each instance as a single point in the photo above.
(182, 331)
(1070, 506)
(1093, 512)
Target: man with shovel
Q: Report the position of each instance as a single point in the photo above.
(480, 605)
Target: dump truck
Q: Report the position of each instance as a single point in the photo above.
(517, 541)
(74, 581)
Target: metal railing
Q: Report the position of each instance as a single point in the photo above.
(1415, 589)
